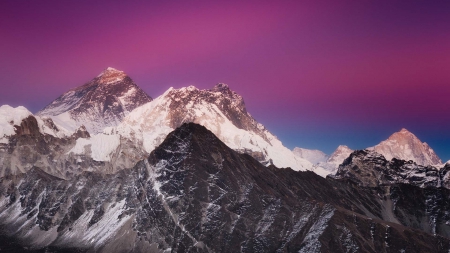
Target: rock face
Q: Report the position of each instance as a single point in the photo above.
(100, 103)
(406, 146)
(219, 109)
(193, 193)
(368, 168)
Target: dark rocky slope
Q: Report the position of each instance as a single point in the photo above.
(194, 194)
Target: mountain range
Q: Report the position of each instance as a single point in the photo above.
(106, 168)
(402, 145)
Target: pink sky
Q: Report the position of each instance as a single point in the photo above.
(316, 73)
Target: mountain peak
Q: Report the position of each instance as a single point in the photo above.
(403, 135)
(112, 69)
(404, 130)
(406, 146)
(343, 147)
(102, 102)
(339, 155)
(111, 75)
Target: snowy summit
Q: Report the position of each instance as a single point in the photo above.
(102, 102)
(406, 146)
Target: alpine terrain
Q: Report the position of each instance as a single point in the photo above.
(102, 102)
(104, 168)
(219, 109)
(195, 194)
(406, 146)
(331, 164)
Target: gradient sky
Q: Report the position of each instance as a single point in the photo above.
(316, 73)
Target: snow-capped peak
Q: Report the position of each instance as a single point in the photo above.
(102, 102)
(109, 70)
(111, 75)
(223, 113)
(9, 117)
(406, 146)
(340, 154)
(112, 69)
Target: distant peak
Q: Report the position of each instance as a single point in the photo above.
(112, 69)
(340, 147)
(111, 75)
(404, 130)
(403, 133)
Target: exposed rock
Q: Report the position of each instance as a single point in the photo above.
(102, 102)
(369, 168)
(193, 193)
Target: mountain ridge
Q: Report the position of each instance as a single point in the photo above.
(193, 193)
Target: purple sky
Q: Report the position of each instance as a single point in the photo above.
(316, 73)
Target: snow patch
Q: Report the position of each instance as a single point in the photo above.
(10, 116)
(311, 241)
(101, 145)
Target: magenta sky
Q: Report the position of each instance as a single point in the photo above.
(316, 73)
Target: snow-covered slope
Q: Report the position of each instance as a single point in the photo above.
(11, 117)
(339, 155)
(406, 146)
(100, 103)
(29, 141)
(220, 110)
(331, 165)
(312, 155)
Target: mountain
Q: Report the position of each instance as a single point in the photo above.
(27, 140)
(405, 145)
(121, 147)
(331, 165)
(21, 121)
(219, 109)
(100, 103)
(195, 194)
(312, 155)
(339, 155)
(369, 168)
